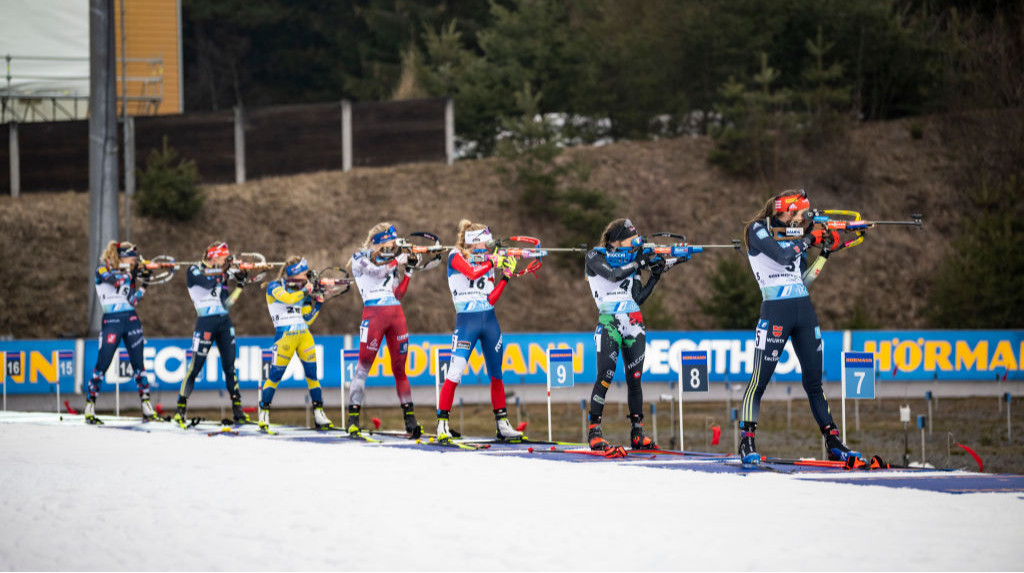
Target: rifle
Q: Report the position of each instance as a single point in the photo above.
(841, 221)
(330, 281)
(427, 255)
(533, 251)
(157, 270)
(678, 250)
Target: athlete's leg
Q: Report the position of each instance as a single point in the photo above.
(808, 347)
(201, 343)
(634, 347)
(134, 341)
(397, 335)
(770, 338)
(109, 339)
(606, 341)
(493, 350)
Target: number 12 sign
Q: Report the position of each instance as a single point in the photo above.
(859, 375)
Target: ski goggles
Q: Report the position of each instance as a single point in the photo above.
(299, 267)
(622, 231)
(478, 236)
(126, 250)
(795, 202)
(218, 250)
(384, 236)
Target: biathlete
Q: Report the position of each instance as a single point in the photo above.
(382, 283)
(207, 284)
(471, 279)
(613, 271)
(120, 285)
(780, 268)
(293, 302)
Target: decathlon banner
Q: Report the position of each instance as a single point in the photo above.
(34, 366)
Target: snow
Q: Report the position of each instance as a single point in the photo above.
(86, 498)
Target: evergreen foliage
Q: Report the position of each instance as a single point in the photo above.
(735, 301)
(981, 284)
(168, 188)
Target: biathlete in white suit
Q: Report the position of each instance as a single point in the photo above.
(382, 278)
(471, 279)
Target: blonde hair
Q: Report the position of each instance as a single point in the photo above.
(607, 231)
(287, 263)
(766, 211)
(466, 225)
(110, 256)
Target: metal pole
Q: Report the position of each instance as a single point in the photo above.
(15, 158)
(449, 130)
(583, 417)
(549, 411)
(239, 145)
(103, 179)
(856, 414)
(124, 67)
(129, 174)
(654, 424)
(1009, 422)
(346, 135)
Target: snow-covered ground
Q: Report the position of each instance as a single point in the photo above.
(86, 498)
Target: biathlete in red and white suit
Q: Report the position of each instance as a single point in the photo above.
(471, 279)
(382, 284)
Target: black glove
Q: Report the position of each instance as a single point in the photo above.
(657, 266)
(412, 261)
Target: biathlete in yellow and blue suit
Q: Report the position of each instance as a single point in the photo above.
(293, 304)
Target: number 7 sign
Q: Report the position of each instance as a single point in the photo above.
(858, 375)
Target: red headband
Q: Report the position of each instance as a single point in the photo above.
(794, 202)
(218, 250)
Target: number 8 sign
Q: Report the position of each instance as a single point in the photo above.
(693, 371)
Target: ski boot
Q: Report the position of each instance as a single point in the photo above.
(412, 427)
(748, 450)
(320, 419)
(444, 433)
(594, 435)
(637, 439)
(353, 419)
(505, 432)
(90, 413)
(837, 450)
(264, 418)
(238, 414)
(148, 413)
(179, 414)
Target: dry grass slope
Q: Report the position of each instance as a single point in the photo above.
(663, 185)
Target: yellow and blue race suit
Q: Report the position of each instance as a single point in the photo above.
(292, 312)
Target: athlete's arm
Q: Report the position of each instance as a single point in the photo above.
(639, 293)
(499, 287)
(401, 286)
(760, 240)
(472, 272)
(597, 264)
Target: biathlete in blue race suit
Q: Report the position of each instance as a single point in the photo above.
(207, 285)
(780, 268)
(120, 285)
(471, 279)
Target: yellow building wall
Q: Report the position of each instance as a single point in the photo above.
(151, 32)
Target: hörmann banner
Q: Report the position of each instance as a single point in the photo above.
(34, 366)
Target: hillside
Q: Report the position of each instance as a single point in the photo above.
(662, 185)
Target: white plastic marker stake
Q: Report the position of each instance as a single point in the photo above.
(349, 362)
(560, 374)
(693, 377)
(858, 379)
(65, 371)
(442, 359)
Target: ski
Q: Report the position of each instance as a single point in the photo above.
(223, 432)
(454, 444)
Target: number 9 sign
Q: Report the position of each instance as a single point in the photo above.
(693, 371)
(560, 373)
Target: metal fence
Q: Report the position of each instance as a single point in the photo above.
(233, 145)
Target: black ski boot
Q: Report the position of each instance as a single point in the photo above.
(412, 427)
(637, 439)
(748, 450)
(837, 450)
(179, 413)
(594, 435)
(353, 419)
(238, 413)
